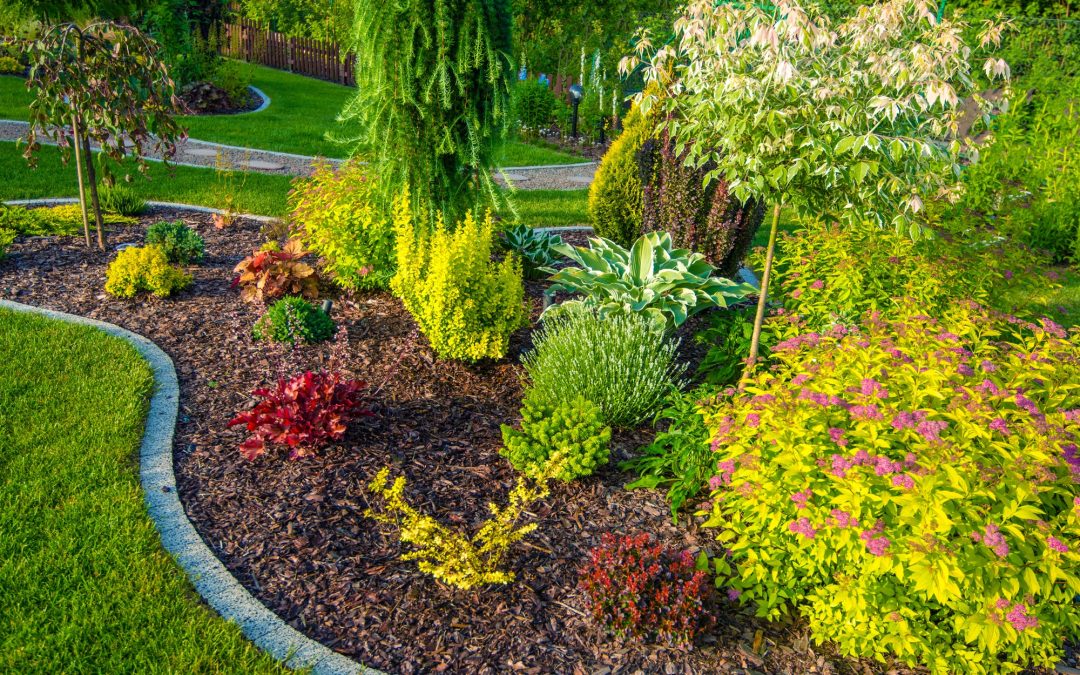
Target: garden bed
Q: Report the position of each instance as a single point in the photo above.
(294, 532)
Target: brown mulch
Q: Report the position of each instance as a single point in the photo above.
(293, 532)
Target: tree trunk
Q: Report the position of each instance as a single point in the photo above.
(763, 296)
(77, 141)
(91, 176)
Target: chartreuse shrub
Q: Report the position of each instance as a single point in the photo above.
(830, 274)
(65, 219)
(910, 488)
(615, 196)
(574, 429)
(144, 268)
(452, 556)
(293, 318)
(335, 216)
(464, 303)
(617, 362)
(6, 238)
(181, 244)
(664, 284)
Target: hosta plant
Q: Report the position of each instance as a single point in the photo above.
(536, 249)
(450, 555)
(641, 590)
(666, 285)
(268, 274)
(302, 413)
(910, 488)
(573, 429)
(144, 268)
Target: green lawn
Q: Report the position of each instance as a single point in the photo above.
(302, 111)
(84, 583)
(256, 193)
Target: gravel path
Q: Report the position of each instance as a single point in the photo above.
(194, 152)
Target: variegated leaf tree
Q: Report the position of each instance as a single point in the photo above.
(106, 84)
(853, 121)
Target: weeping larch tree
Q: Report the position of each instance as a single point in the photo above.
(432, 102)
(104, 83)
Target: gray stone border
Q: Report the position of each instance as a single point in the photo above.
(262, 106)
(211, 579)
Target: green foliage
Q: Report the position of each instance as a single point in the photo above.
(181, 244)
(292, 318)
(826, 275)
(303, 18)
(537, 250)
(144, 268)
(679, 458)
(790, 108)
(909, 488)
(534, 105)
(663, 284)
(464, 303)
(122, 200)
(65, 219)
(615, 195)
(10, 66)
(452, 556)
(573, 429)
(432, 99)
(727, 338)
(1024, 183)
(336, 216)
(7, 237)
(617, 362)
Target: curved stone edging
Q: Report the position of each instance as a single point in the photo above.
(540, 167)
(265, 100)
(217, 586)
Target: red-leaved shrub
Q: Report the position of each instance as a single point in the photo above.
(302, 413)
(640, 590)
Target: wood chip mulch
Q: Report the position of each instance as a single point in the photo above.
(293, 532)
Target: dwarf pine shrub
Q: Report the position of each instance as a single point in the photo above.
(618, 361)
(910, 488)
(573, 429)
(181, 244)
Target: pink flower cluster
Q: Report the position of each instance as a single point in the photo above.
(993, 539)
(1056, 544)
(802, 526)
(801, 499)
(882, 465)
(842, 518)
(876, 543)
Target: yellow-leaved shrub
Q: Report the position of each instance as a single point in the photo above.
(144, 268)
(466, 304)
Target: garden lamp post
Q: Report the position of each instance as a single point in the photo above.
(576, 93)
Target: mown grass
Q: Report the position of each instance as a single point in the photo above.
(256, 193)
(85, 586)
(301, 119)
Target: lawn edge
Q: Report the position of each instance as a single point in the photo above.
(214, 583)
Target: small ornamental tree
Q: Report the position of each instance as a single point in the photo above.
(103, 84)
(853, 121)
(433, 98)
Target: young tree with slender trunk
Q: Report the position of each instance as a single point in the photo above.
(852, 122)
(104, 83)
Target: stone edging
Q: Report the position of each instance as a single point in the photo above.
(211, 579)
(265, 101)
(539, 167)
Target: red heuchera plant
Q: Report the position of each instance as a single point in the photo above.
(268, 274)
(303, 413)
(640, 589)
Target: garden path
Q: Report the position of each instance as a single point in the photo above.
(193, 152)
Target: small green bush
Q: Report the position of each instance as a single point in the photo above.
(615, 196)
(10, 66)
(294, 317)
(534, 105)
(334, 214)
(727, 337)
(618, 362)
(6, 238)
(573, 428)
(121, 199)
(144, 268)
(181, 244)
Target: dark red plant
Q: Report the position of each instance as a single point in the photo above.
(303, 413)
(640, 590)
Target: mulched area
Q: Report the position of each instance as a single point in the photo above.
(293, 532)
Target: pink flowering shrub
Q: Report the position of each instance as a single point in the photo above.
(828, 274)
(910, 488)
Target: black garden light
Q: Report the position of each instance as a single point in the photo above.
(576, 94)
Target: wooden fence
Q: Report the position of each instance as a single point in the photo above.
(245, 40)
